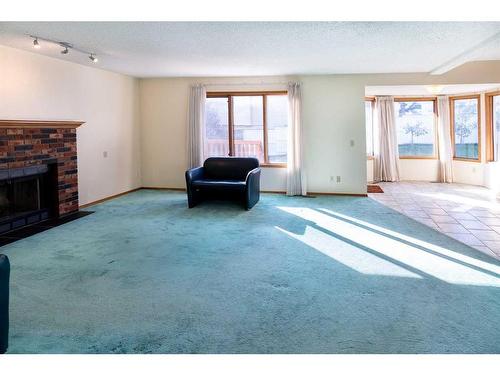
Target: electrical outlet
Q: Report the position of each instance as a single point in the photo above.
(105, 154)
(331, 178)
(352, 142)
(338, 179)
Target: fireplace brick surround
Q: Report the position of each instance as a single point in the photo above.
(27, 143)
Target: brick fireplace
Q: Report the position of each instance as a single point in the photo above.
(25, 144)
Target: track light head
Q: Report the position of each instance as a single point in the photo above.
(65, 46)
(93, 58)
(36, 44)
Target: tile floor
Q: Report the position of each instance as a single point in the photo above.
(470, 214)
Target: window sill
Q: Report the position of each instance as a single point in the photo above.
(419, 157)
(273, 165)
(469, 160)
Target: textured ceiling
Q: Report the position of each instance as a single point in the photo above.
(160, 49)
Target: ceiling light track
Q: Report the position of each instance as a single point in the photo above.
(66, 47)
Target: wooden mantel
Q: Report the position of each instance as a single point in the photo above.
(44, 124)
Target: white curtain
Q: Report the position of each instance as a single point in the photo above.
(496, 127)
(295, 181)
(444, 140)
(376, 146)
(387, 165)
(196, 125)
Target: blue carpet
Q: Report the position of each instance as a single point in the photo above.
(145, 274)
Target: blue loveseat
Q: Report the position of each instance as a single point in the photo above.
(225, 177)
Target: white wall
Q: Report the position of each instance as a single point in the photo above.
(411, 170)
(333, 116)
(492, 176)
(38, 87)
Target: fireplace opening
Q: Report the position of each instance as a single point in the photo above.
(27, 196)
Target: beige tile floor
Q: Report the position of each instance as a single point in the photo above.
(470, 214)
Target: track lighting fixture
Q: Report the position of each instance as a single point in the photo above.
(66, 47)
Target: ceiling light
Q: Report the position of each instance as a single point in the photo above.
(66, 47)
(435, 89)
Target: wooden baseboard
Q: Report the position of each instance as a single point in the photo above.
(183, 189)
(107, 198)
(268, 192)
(163, 188)
(339, 194)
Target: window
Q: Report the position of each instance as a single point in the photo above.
(369, 127)
(465, 121)
(415, 124)
(247, 124)
(493, 126)
(216, 127)
(277, 128)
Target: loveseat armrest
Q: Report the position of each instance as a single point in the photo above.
(194, 174)
(252, 189)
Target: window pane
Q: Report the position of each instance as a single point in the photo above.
(216, 127)
(466, 128)
(248, 126)
(415, 126)
(369, 127)
(277, 128)
(496, 126)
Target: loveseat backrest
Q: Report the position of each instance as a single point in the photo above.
(229, 168)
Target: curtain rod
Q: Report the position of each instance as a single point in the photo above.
(245, 84)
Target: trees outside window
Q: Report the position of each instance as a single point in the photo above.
(415, 122)
(465, 123)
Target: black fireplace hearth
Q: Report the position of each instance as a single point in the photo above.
(27, 196)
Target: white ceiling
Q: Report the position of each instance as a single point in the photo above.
(160, 49)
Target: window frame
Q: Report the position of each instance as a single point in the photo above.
(432, 99)
(372, 100)
(229, 95)
(490, 146)
(452, 125)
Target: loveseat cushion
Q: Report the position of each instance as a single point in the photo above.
(220, 184)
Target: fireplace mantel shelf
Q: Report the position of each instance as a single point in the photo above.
(52, 124)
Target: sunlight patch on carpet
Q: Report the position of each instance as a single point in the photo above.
(403, 253)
